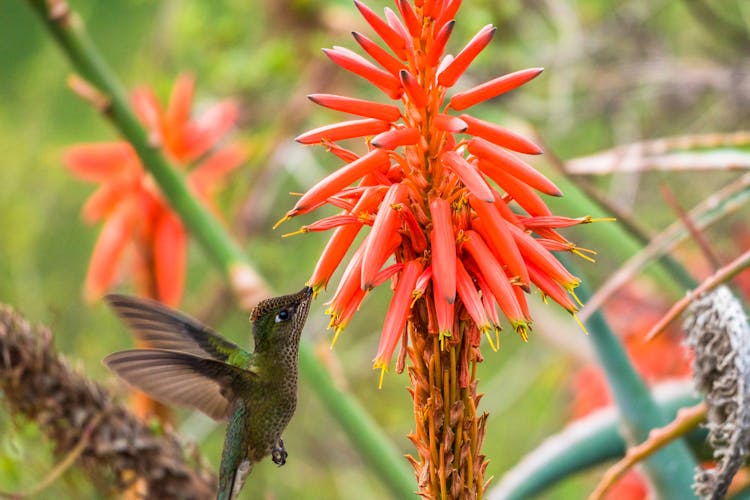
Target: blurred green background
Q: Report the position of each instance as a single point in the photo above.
(616, 72)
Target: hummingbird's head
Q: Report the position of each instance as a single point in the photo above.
(279, 320)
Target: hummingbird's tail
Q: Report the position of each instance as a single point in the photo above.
(230, 486)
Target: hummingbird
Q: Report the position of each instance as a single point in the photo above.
(189, 364)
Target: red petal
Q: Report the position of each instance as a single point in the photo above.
(99, 162)
(178, 110)
(445, 313)
(205, 132)
(551, 288)
(349, 285)
(148, 110)
(398, 313)
(456, 68)
(437, 46)
(341, 319)
(358, 65)
(361, 107)
(470, 297)
(385, 274)
(443, 243)
(332, 255)
(432, 8)
(493, 88)
(422, 282)
(505, 211)
(328, 223)
(205, 178)
(407, 14)
(390, 36)
(395, 23)
(170, 244)
(496, 279)
(392, 139)
(104, 201)
(500, 136)
(413, 89)
(344, 130)
(387, 61)
(414, 230)
(449, 123)
(449, 11)
(547, 263)
(488, 299)
(516, 167)
(108, 251)
(497, 234)
(343, 153)
(384, 230)
(554, 221)
(518, 190)
(338, 180)
(469, 175)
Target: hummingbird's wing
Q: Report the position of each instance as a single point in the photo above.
(165, 328)
(178, 378)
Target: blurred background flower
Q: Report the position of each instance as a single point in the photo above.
(135, 216)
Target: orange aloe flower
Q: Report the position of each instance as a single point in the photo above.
(457, 223)
(138, 223)
(439, 189)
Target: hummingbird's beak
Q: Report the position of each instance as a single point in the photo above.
(308, 291)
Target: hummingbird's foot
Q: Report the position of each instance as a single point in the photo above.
(279, 454)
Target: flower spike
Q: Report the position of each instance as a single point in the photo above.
(459, 249)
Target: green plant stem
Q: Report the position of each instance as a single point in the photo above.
(585, 443)
(382, 455)
(216, 242)
(69, 33)
(671, 469)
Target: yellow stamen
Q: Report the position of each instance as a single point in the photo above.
(282, 220)
(493, 346)
(589, 219)
(383, 368)
(336, 332)
(571, 290)
(301, 230)
(579, 252)
(580, 323)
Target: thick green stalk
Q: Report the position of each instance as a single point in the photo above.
(585, 443)
(671, 469)
(216, 242)
(361, 428)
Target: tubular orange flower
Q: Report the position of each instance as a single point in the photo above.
(398, 313)
(501, 160)
(459, 243)
(361, 107)
(435, 169)
(135, 215)
(443, 244)
(493, 88)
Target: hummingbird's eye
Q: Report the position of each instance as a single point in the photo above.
(282, 316)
